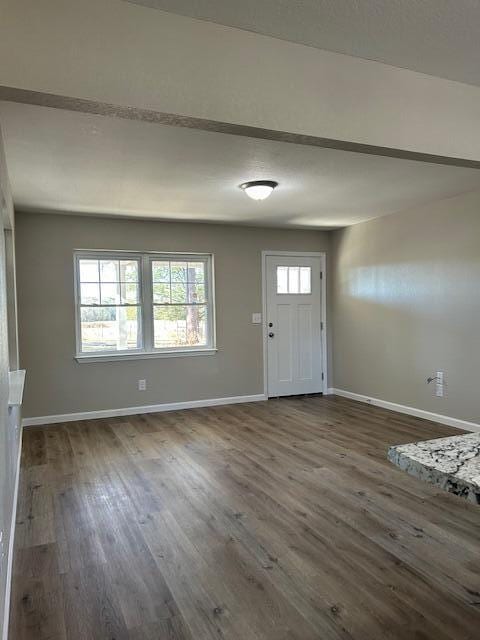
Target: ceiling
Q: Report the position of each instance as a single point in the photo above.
(65, 161)
(437, 37)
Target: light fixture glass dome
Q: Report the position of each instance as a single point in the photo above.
(259, 189)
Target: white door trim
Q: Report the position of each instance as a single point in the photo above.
(323, 297)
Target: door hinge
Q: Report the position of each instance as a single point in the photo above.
(321, 326)
(322, 376)
(321, 275)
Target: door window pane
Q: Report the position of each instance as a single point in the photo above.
(282, 279)
(293, 283)
(294, 280)
(305, 280)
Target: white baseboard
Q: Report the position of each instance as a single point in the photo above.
(411, 411)
(129, 411)
(8, 582)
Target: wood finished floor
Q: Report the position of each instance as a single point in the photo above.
(272, 520)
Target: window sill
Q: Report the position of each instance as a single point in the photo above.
(114, 357)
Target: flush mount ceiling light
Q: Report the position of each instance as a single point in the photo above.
(259, 189)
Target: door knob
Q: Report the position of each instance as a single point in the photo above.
(270, 324)
(271, 334)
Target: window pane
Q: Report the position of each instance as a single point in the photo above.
(195, 292)
(88, 270)
(178, 271)
(128, 271)
(160, 271)
(179, 292)
(180, 326)
(109, 271)
(282, 279)
(305, 280)
(110, 328)
(161, 292)
(110, 293)
(89, 293)
(196, 272)
(129, 293)
(293, 284)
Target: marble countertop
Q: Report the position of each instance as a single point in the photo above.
(451, 463)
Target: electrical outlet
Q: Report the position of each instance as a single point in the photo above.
(142, 385)
(439, 386)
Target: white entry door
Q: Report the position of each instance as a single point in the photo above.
(293, 325)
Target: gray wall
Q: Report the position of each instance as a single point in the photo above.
(403, 301)
(405, 291)
(57, 384)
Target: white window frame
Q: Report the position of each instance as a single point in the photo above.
(146, 306)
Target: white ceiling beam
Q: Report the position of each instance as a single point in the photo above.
(128, 55)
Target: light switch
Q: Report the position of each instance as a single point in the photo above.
(256, 318)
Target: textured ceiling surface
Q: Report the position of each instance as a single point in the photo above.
(437, 37)
(73, 162)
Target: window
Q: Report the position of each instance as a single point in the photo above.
(179, 303)
(294, 280)
(134, 304)
(110, 308)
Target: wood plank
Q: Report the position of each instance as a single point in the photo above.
(278, 520)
